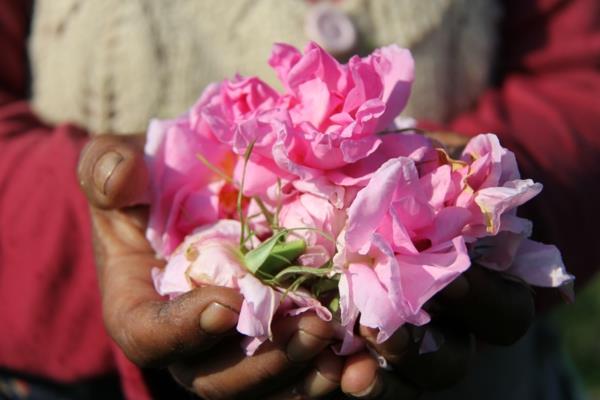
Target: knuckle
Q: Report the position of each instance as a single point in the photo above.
(131, 330)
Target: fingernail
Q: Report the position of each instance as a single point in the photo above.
(303, 346)
(217, 319)
(372, 391)
(317, 384)
(104, 169)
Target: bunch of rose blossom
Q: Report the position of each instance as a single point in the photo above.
(313, 199)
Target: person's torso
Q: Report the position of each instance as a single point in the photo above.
(111, 65)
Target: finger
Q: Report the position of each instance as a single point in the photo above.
(392, 349)
(322, 380)
(360, 376)
(112, 171)
(325, 376)
(362, 379)
(228, 373)
(496, 308)
(150, 330)
(442, 364)
(153, 332)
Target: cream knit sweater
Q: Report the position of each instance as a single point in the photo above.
(111, 65)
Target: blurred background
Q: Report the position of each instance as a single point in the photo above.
(579, 327)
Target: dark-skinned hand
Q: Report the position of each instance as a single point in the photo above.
(480, 304)
(194, 335)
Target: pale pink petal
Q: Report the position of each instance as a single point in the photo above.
(449, 223)
(303, 302)
(402, 242)
(438, 186)
(497, 252)
(348, 310)
(317, 62)
(315, 98)
(492, 164)
(261, 174)
(540, 265)
(321, 187)
(217, 263)
(215, 260)
(510, 222)
(412, 208)
(396, 68)
(283, 58)
(427, 273)
(354, 150)
(171, 281)
(495, 201)
(259, 307)
(388, 272)
(315, 256)
(367, 85)
(175, 171)
(351, 343)
(251, 344)
(372, 202)
(373, 302)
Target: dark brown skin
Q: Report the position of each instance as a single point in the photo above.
(194, 335)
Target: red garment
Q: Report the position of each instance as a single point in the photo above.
(50, 316)
(547, 109)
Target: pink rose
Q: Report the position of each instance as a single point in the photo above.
(397, 250)
(489, 185)
(211, 256)
(185, 193)
(336, 110)
(324, 223)
(492, 191)
(229, 110)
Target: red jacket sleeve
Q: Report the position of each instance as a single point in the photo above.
(50, 315)
(547, 110)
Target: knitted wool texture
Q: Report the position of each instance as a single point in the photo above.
(111, 65)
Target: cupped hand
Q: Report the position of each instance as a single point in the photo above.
(480, 307)
(194, 334)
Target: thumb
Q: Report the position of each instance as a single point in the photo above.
(112, 172)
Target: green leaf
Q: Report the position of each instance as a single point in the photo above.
(255, 258)
(282, 255)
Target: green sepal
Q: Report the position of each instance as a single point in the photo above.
(282, 255)
(273, 255)
(256, 257)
